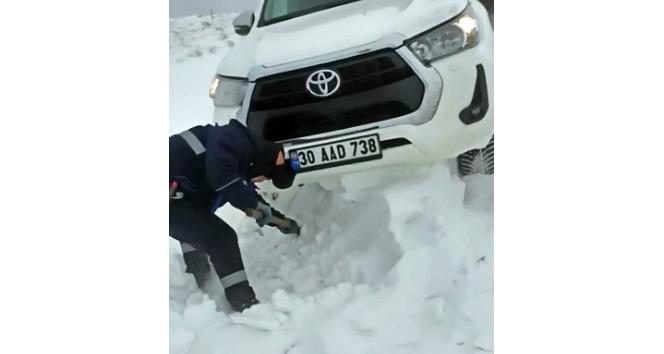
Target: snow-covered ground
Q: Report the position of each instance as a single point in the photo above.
(392, 261)
(197, 44)
(181, 8)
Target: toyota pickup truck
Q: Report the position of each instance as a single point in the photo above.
(351, 85)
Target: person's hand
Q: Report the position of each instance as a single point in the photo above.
(263, 215)
(290, 226)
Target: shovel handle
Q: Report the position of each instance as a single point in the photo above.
(281, 222)
(273, 220)
(256, 214)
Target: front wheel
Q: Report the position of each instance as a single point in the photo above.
(477, 161)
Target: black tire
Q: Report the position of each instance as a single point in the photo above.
(488, 4)
(477, 161)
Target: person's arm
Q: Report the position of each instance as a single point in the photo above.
(285, 224)
(223, 175)
(275, 212)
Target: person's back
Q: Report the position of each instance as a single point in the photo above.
(209, 166)
(204, 159)
(185, 165)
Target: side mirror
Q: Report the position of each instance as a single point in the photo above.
(243, 22)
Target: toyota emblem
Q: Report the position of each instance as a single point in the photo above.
(323, 83)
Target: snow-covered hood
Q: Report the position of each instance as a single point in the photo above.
(335, 29)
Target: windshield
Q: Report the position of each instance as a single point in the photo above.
(281, 10)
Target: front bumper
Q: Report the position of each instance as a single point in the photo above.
(223, 115)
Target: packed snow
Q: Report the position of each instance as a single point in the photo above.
(397, 260)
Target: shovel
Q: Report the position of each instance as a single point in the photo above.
(275, 220)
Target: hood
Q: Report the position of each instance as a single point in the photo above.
(350, 25)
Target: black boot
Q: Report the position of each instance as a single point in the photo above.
(241, 296)
(197, 264)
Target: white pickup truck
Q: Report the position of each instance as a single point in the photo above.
(349, 85)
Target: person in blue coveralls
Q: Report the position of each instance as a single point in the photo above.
(212, 165)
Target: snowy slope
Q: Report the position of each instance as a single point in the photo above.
(181, 8)
(393, 261)
(197, 44)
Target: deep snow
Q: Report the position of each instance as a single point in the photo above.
(398, 260)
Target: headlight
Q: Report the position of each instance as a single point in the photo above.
(459, 34)
(227, 92)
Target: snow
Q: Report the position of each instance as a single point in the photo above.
(197, 44)
(180, 8)
(398, 260)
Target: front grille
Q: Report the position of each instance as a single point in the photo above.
(374, 87)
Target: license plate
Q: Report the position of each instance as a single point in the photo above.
(318, 155)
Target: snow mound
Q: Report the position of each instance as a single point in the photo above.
(403, 266)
